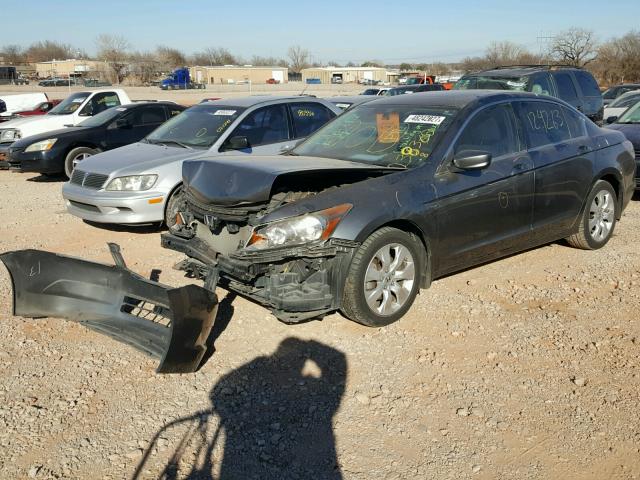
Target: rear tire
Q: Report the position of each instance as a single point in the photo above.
(383, 278)
(75, 156)
(598, 218)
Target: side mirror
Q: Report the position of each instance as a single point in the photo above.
(238, 143)
(472, 159)
(611, 119)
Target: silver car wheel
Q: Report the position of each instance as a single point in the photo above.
(601, 216)
(389, 278)
(78, 158)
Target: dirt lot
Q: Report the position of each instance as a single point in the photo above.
(526, 368)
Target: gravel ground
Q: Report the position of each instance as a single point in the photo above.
(525, 368)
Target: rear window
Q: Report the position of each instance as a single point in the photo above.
(587, 83)
(544, 123)
(493, 82)
(566, 89)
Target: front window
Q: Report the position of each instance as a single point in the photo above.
(493, 82)
(200, 126)
(102, 118)
(610, 93)
(624, 101)
(631, 116)
(69, 104)
(401, 136)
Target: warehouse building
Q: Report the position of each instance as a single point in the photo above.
(343, 74)
(231, 74)
(66, 68)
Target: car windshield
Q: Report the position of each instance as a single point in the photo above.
(200, 126)
(632, 115)
(610, 93)
(401, 136)
(485, 82)
(371, 91)
(69, 104)
(625, 100)
(102, 117)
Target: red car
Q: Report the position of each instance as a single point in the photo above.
(39, 109)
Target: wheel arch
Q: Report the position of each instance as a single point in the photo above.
(169, 195)
(614, 178)
(408, 226)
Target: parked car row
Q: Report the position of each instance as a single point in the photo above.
(308, 209)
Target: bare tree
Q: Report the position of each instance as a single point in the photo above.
(47, 50)
(144, 66)
(406, 67)
(500, 53)
(215, 56)
(170, 58)
(618, 60)
(13, 54)
(259, 61)
(576, 46)
(113, 50)
(371, 63)
(298, 58)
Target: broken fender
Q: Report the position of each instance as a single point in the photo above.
(171, 324)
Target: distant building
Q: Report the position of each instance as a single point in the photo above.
(231, 74)
(70, 67)
(345, 74)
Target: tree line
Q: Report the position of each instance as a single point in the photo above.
(612, 61)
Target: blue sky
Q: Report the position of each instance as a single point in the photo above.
(390, 31)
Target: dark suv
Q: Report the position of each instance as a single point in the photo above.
(573, 85)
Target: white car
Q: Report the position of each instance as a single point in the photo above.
(621, 104)
(21, 101)
(71, 111)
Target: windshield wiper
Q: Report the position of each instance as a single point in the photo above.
(168, 142)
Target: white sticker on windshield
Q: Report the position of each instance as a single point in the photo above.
(77, 100)
(343, 105)
(121, 109)
(225, 112)
(431, 119)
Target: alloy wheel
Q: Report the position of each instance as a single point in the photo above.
(601, 216)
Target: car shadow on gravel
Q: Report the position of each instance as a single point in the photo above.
(48, 178)
(114, 227)
(271, 418)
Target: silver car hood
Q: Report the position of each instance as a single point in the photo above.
(136, 158)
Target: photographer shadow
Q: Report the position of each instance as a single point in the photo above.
(271, 418)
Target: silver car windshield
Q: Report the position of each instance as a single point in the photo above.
(401, 136)
(632, 115)
(69, 104)
(200, 126)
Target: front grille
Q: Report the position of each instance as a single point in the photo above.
(199, 210)
(94, 181)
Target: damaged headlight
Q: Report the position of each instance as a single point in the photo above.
(298, 230)
(132, 183)
(10, 135)
(41, 146)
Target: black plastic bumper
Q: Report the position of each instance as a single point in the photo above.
(50, 161)
(171, 324)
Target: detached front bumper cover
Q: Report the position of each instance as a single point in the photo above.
(171, 324)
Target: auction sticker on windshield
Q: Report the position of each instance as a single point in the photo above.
(430, 119)
(225, 112)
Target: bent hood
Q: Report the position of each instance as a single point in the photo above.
(36, 124)
(136, 158)
(231, 180)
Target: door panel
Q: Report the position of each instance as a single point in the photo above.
(562, 154)
(485, 213)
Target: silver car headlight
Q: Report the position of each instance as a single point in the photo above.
(10, 135)
(132, 183)
(41, 146)
(298, 230)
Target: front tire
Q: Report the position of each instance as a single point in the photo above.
(174, 205)
(75, 156)
(598, 218)
(383, 278)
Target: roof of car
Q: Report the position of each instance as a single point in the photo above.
(256, 100)
(458, 98)
(521, 70)
(352, 98)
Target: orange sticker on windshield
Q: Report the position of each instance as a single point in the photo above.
(388, 127)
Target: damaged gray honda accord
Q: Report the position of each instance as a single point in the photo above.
(358, 218)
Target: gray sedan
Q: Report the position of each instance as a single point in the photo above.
(142, 182)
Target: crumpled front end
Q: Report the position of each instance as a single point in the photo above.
(170, 324)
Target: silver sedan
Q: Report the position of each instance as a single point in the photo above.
(142, 182)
